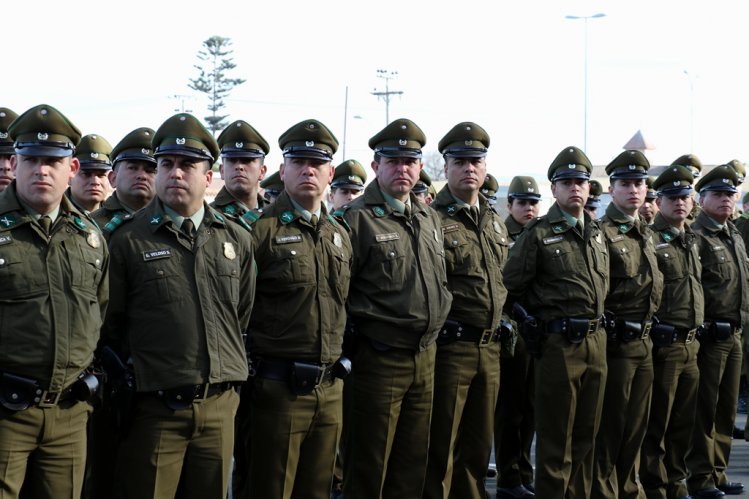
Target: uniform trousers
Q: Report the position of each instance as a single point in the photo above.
(388, 438)
(570, 382)
(663, 469)
(51, 443)
(719, 363)
(624, 420)
(466, 383)
(514, 424)
(178, 454)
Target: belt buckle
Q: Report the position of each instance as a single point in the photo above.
(690, 336)
(201, 392)
(592, 327)
(486, 337)
(646, 330)
(48, 399)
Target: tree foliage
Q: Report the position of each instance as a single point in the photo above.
(216, 61)
(434, 165)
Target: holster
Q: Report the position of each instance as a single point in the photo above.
(720, 331)
(508, 337)
(662, 334)
(533, 335)
(178, 399)
(17, 392)
(304, 378)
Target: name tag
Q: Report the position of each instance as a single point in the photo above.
(662, 245)
(616, 239)
(391, 236)
(450, 228)
(157, 254)
(294, 238)
(552, 240)
(717, 248)
(6, 239)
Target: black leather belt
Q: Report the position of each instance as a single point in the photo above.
(574, 328)
(627, 331)
(282, 370)
(684, 336)
(196, 393)
(720, 330)
(457, 331)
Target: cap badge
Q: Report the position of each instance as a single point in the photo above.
(42, 136)
(309, 143)
(94, 155)
(43, 112)
(3, 135)
(632, 167)
(239, 145)
(726, 181)
(677, 182)
(484, 190)
(530, 189)
(145, 151)
(2, 114)
(469, 142)
(571, 166)
(402, 142)
(181, 141)
(468, 127)
(403, 127)
(311, 126)
(182, 118)
(351, 177)
(229, 251)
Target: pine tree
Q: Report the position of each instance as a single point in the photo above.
(212, 80)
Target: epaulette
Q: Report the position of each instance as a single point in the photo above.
(116, 221)
(251, 216)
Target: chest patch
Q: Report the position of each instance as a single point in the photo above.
(157, 254)
(553, 240)
(616, 239)
(662, 245)
(450, 228)
(293, 238)
(390, 236)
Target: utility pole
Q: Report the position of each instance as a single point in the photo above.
(182, 98)
(387, 76)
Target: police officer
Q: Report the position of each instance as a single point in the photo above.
(242, 167)
(133, 176)
(663, 470)
(421, 188)
(513, 423)
(53, 263)
(649, 208)
(594, 199)
(466, 378)
(635, 290)
(90, 187)
(692, 163)
(489, 189)
(6, 147)
(724, 282)
(296, 330)
(558, 272)
(398, 302)
(183, 283)
(272, 186)
(348, 184)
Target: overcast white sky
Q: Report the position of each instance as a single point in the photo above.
(514, 67)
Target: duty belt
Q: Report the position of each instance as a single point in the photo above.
(195, 393)
(282, 370)
(18, 393)
(574, 328)
(627, 331)
(719, 330)
(457, 331)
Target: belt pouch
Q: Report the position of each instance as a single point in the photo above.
(16, 392)
(304, 377)
(180, 398)
(577, 329)
(662, 334)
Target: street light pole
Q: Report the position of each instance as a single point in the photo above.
(691, 110)
(585, 74)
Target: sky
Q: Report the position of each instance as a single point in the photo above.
(676, 70)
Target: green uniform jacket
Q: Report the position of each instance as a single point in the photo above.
(555, 272)
(399, 293)
(724, 271)
(236, 211)
(679, 259)
(514, 229)
(180, 312)
(474, 257)
(636, 284)
(53, 293)
(303, 281)
(110, 208)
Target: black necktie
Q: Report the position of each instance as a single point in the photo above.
(46, 224)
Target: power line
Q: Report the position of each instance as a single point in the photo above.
(387, 76)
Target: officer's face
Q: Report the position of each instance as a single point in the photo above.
(242, 175)
(341, 196)
(397, 176)
(571, 194)
(134, 180)
(465, 176)
(523, 210)
(675, 209)
(181, 182)
(648, 210)
(6, 175)
(628, 194)
(41, 181)
(305, 179)
(718, 205)
(90, 187)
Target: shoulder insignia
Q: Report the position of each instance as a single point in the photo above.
(251, 217)
(667, 236)
(624, 228)
(559, 228)
(378, 211)
(218, 216)
(331, 219)
(339, 212)
(340, 220)
(554, 239)
(452, 209)
(8, 221)
(79, 223)
(117, 220)
(286, 217)
(230, 209)
(155, 220)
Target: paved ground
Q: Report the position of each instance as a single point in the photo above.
(738, 470)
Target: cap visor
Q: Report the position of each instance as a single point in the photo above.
(239, 153)
(182, 151)
(44, 151)
(674, 193)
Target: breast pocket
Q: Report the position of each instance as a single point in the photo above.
(561, 257)
(719, 263)
(391, 260)
(457, 251)
(89, 263)
(227, 272)
(669, 264)
(624, 260)
(289, 267)
(19, 278)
